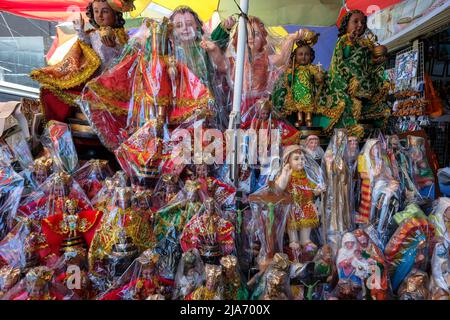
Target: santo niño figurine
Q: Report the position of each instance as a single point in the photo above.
(302, 81)
(355, 88)
(304, 214)
(62, 83)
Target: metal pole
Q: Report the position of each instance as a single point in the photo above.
(235, 116)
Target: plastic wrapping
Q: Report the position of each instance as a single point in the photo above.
(121, 236)
(42, 169)
(407, 189)
(440, 261)
(213, 287)
(9, 276)
(273, 282)
(268, 132)
(71, 271)
(336, 206)
(303, 179)
(58, 139)
(179, 211)
(380, 197)
(234, 286)
(11, 187)
(39, 284)
(265, 60)
(51, 197)
(409, 246)
(190, 274)
(313, 148)
(415, 286)
(270, 211)
(91, 175)
(420, 169)
(139, 282)
(141, 155)
(208, 232)
(20, 150)
(163, 75)
(23, 245)
(102, 199)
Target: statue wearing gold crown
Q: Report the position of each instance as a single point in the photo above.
(212, 235)
(62, 83)
(123, 232)
(355, 88)
(38, 285)
(72, 228)
(179, 210)
(213, 287)
(164, 75)
(302, 81)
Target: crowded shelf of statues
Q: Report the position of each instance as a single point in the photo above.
(118, 182)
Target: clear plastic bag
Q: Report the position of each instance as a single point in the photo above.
(336, 206)
(302, 178)
(409, 246)
(91, 175)
(123, 233)
(11, 187)
(190, 274)
(139, 282)
(208, 232)
(380, 196)
(39, 284)
(57, 138)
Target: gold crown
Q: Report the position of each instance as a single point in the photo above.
(61, 177)
(43, 163)
(276, 277)
(310, 38)
(192, 186)
(39, 276)
(71, 204)
(122, 5)
(170, 178)
(228, 262)
(149, 257)
(213, 272)
(281, 261)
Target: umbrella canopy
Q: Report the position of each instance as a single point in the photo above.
(275, 13)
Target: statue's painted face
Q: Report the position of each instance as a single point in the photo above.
(255, 37)
(349, 245)
(352, 144)
(303, 55)
(185, 26)
(356, 23)
(264, 113)
(297, 161)
(201, 171)
(312, 143)
(104, 16)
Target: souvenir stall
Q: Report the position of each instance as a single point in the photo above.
(213, 184)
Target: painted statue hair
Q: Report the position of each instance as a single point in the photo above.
(119, 23)
(186, 9)
(301, 44)
(346, 19)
